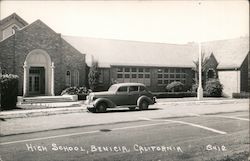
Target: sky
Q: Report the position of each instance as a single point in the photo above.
(152, 21)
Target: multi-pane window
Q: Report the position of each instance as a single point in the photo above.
(168, 75)
(76, 78)
(133, 74)
(68, 78)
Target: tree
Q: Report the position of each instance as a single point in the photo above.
(204, 61)
(93, 76)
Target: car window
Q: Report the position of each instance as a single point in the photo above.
(133, 89)
(122, 89)
(142, 88)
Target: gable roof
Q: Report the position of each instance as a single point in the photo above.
(13, 16)
(110, 52)
(228, 53)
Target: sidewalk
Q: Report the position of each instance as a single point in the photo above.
(78, 117)
(45, 109)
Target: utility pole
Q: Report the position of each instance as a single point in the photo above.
(200, 90)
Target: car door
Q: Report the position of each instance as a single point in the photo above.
(121, 96)
(133, 95)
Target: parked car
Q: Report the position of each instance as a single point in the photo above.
(129, 95)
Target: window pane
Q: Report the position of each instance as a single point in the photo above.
(133, 89)
(166, 70)
(140, 69)
(165, 75)
(127, 76)
(134, 75)
(159, 75)
(122, 89)
(127, 69)
(134, 70)
(119, 76)
(119, 69)
(147, 75)
(142, 88)
(159, 70)
(140, 75)
(159, 81)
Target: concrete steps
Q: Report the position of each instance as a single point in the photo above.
(47, 99)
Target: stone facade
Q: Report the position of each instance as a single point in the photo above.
(38, 38)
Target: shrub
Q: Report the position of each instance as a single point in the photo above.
(82, 92)
(241, 95)
(9, 91)
(214, 88)
(175, 87)
(174, 94)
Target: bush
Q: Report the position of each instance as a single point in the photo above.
(175, 87)
(241, 95)
(9, 91)
(174, 94)
(82, 92)
(214, 88)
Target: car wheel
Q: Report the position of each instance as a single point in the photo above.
(143, 105)
(132, 108)
(93, 110)
(101, 107)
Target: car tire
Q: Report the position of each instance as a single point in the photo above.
(101, 108)
(143, 105)
(132, 108)
(93, 110)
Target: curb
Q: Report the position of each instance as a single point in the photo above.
(82, 108)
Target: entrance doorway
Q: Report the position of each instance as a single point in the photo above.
(37, 81)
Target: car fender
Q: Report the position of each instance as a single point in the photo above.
(142, 98)
(104, 100)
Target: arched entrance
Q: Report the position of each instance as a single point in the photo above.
(38, 74)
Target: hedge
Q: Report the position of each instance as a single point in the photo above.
(81, 92)
(9, 91)
(241, 95)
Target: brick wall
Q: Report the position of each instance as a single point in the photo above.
(37, 35)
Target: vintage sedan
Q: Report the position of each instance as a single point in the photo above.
(129, 95)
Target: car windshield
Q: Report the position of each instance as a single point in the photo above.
(113, 88)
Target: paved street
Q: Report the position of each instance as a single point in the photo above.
(147, 135)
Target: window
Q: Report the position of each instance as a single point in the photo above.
(178, 70)
(147, 75)
(147, 70)
(76, 78)
(119, 76)
(68, 78)
(165, 81)
(178, 76)
(133, 89)
(171, 75)
(165, 75)
(119, 69)
(159, 75)
(140, 69)
(134, 70)
(134, 75)
(159, 70)
(166, 70)
(127, 75)
(122, 89)
(140, 75)
(159, 81)
(172, 70)
(142, 88)
(127, 69)
(210, 74)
